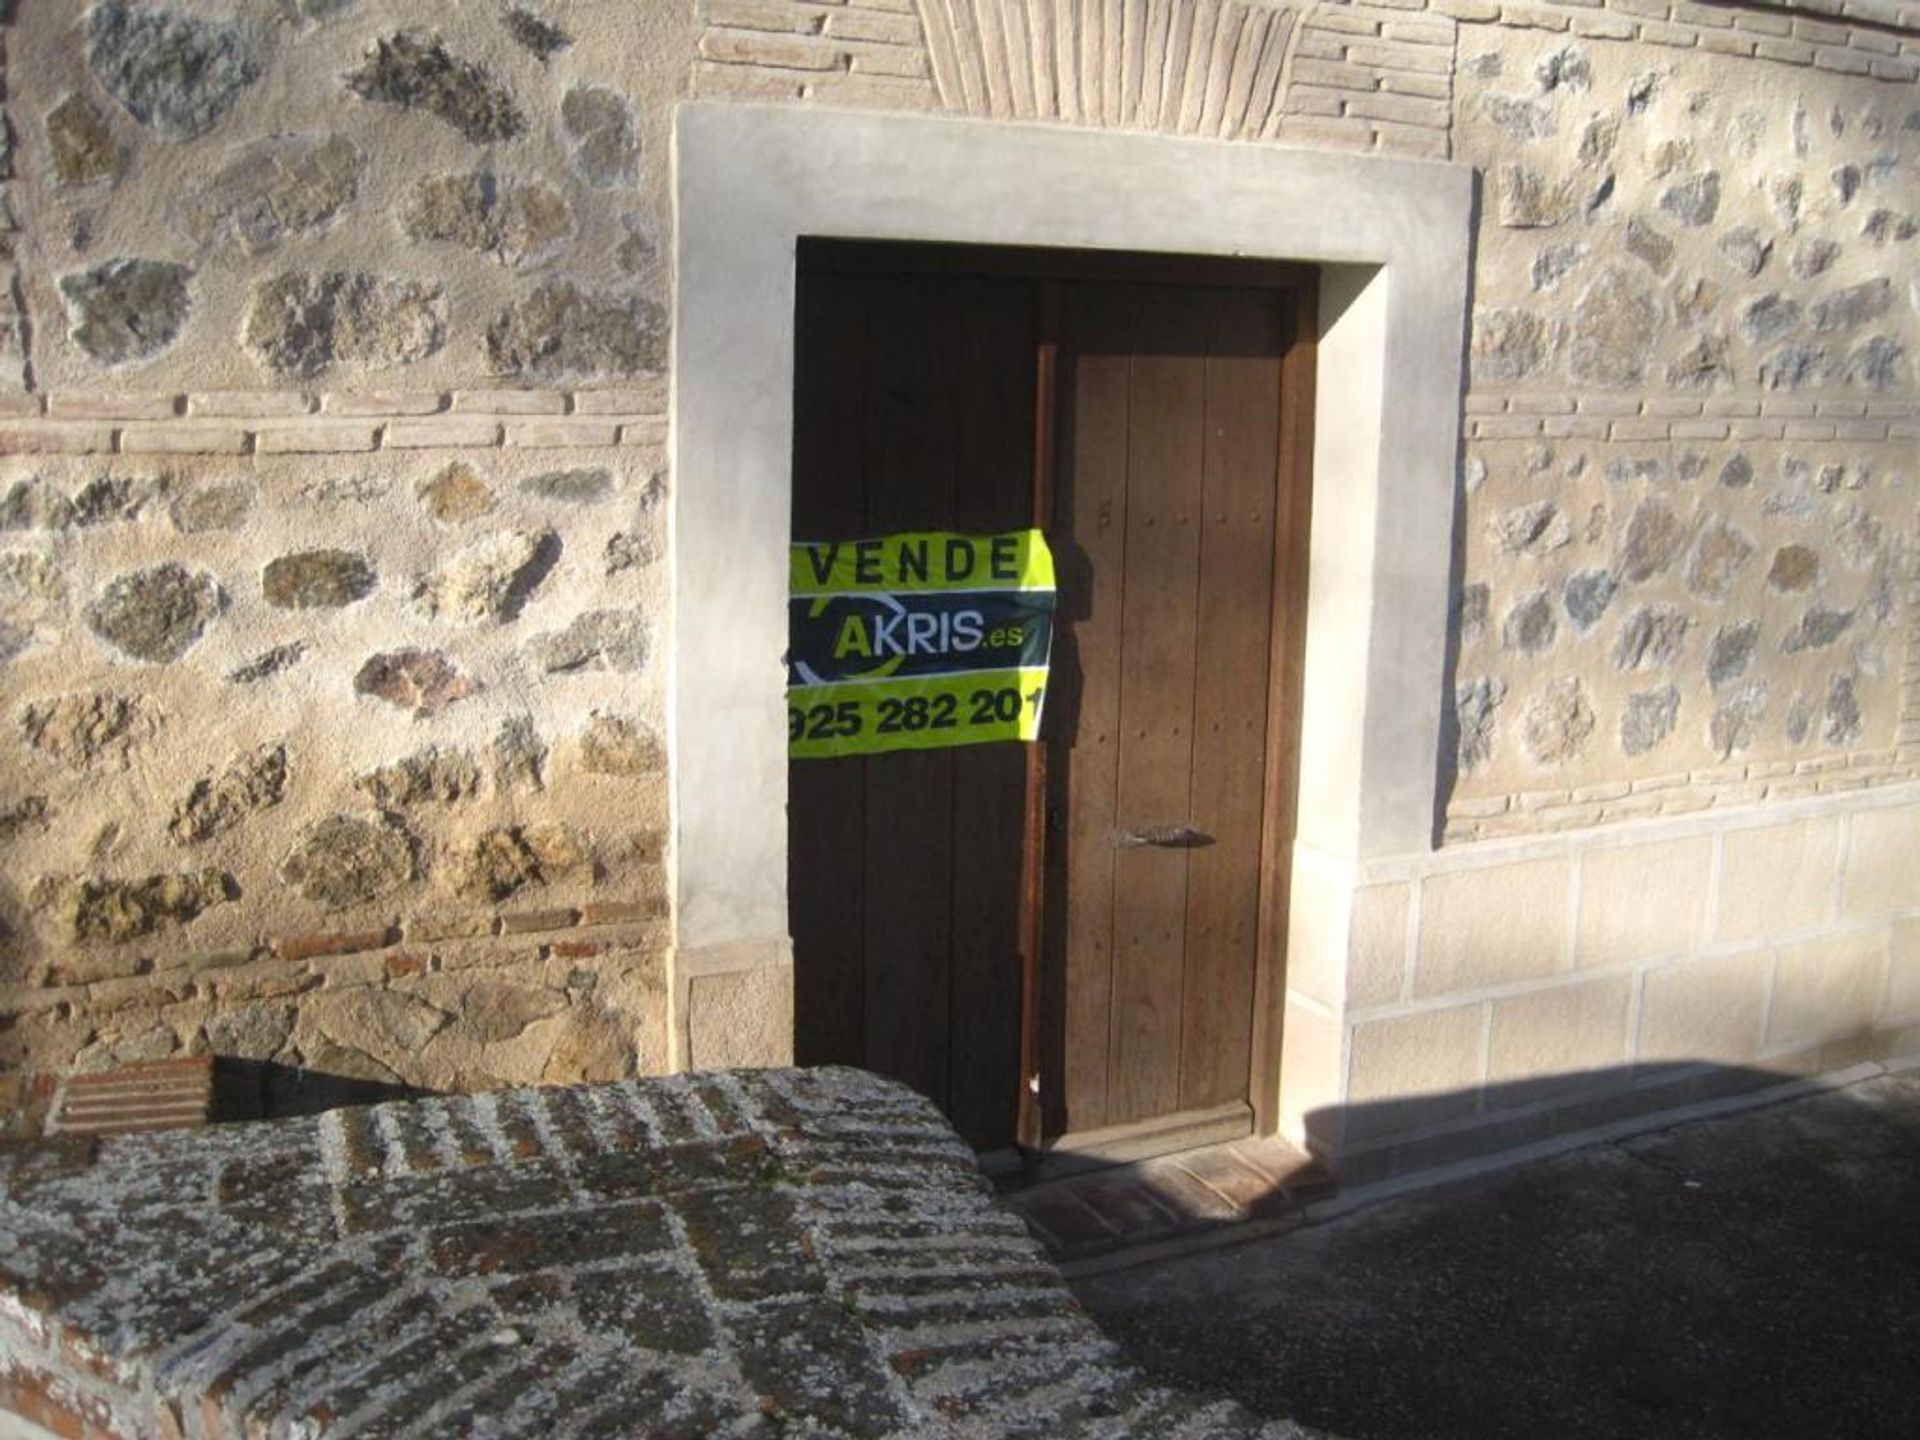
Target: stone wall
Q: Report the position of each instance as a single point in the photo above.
(334, 464)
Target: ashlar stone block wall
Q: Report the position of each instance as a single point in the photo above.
(334, 555)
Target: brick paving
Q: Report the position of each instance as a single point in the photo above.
(1084, 1218)
(751, 1254)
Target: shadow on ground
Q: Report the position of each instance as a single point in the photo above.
(1753, 1275)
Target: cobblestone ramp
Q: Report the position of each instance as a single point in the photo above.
(741, 1254)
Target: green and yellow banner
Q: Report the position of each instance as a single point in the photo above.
(917, 641)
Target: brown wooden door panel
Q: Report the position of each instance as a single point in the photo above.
(913, 411)
(915, 399)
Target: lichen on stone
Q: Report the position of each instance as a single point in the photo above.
(596, 640)
(84, 730)
(169, 69)
(601, 138)
(251, 782)
(317, 580)
(519, 223)
(80, 143)
(99, 908)
(127, 309)
(415, 71)
(561, 330)
(490, 579)
(434, 776)
(303, 323)
(273, 189)
(347, 860)
(423, 681)
(156, 614)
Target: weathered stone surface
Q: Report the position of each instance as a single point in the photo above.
(156, 614)
(1879, 364)
(1476, 602)
(1842, 722)
(1530, 626)
(281, 186)
(454, 495)
(561, 330)
(1652, 637)
(1511, 344)
(1884, 226)
(1719, 555)
(1567, 68)
(1818, 628)
(519, 223)
(423, 681)
(1534, 529)
(1770, 317)
(1736, 724)
(1794, 568)
(415, 71)
(434, 776)
(366, 1034)
(171, 71)
(619, 745)
(579, 486)
(348, 860)
(1746, 250)
(32, 595)
(1587, 596)
(33, 504)
(251, 782)
(1793, 366)
(629, 549)
(269, 663)
(1730, 652)
(318, 579)
(596, 640)
(220, 506)
(1693, 199)
(1737, 473)
(1649, 245)
(1615, 324)
(539, 37)
(1800, 716)
(108, 498)
(302, 323)
(1597, 139)
(1475, 706)
(1855, 305)
(81, 142)
(1859, 537)
(1655, 535)
(1702, 365)
(1529, 201)
(82, 731)
(251, 1032)
(1558, 722)
(1648, 718)
(28, 814)
(1695, 300)
(492, 578)
(504, 861)
(1812, 257)
(519, 757)
(601, 138)
(116, 911)
(1553, 263)
(127, 309)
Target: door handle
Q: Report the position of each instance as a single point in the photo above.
(1166, 837)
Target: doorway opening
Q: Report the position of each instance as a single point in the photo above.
(1075, 948)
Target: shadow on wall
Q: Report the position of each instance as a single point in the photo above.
(1752, 1273)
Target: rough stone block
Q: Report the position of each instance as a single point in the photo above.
(1559, 1032)
(1828, 989)
(1492, 926)
(1883, 864)
(1777, 880)
(1642, 902)
(1705, 1010)
(742, 1017)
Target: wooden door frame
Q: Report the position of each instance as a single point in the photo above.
(1293, 487)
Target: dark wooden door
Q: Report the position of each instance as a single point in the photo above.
(920, 391)
(913, 410)
(1166, 512)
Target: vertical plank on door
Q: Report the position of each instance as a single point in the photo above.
(1244, 340)
(826, 799)
(1084, 699)
(992, 372)
(911, 426)
(1165, 448)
